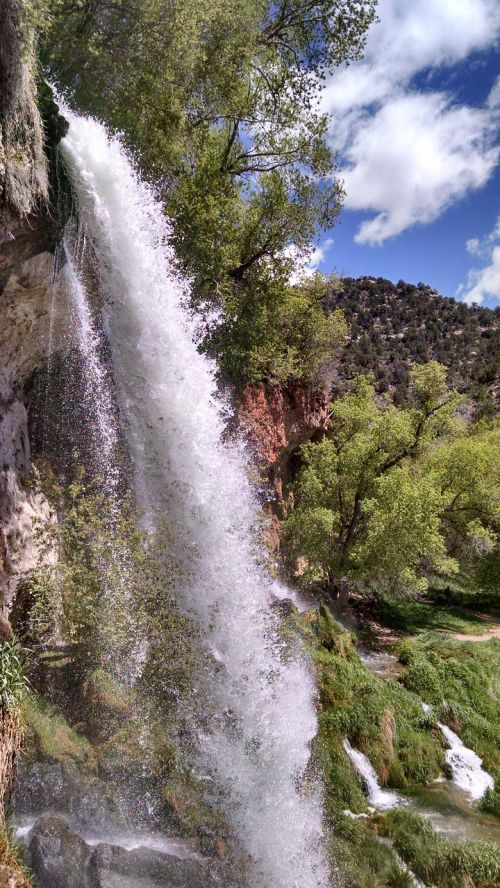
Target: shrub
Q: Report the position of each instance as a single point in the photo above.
(13, 678)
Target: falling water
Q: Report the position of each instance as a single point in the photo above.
(378, 797)
(466, 766)
(260, 717)
(97, 398)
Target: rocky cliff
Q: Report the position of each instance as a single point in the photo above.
(277, 420)
(28, 234)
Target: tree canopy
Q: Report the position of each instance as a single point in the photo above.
(222, 100)
(392, 495)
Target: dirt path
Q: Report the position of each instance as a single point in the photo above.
(486, 636)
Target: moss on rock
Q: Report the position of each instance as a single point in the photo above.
(51, 738)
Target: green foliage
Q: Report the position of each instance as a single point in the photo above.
(462, 680)
(437, 861)
(394, 325)
(393, 495)
(381, 718)
(110, 586)
(50, 737)
(277, 332)
(221, 99)
(363, 860)
(14, 682)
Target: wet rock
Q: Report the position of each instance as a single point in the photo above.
(113, 867)
(81, 796)
(56, 854)
(284, 607)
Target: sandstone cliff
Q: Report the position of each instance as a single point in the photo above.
(277, 420)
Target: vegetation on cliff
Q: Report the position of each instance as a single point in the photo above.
(13, 691)
(23, 164)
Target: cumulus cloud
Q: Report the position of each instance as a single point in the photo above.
(413, 158)
(407, 154)
(483, 283)
(306, 262)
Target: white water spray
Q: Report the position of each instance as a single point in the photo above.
(378, 797)
(256, 743)
(466, 766)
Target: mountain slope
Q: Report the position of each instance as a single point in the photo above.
(393, 325)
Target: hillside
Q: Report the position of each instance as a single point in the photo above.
(393, 325)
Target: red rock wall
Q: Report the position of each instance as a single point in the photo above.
(277, 420)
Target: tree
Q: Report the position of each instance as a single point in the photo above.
(384, 497)
(221, 97)
(278, 331)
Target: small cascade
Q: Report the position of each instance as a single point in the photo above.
(466, 766)
(256, 700)
(378, 797)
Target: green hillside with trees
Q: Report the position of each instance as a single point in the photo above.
(393, 325)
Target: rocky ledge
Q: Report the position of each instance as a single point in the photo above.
(62, 858)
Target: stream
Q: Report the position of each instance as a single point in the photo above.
(448, 804)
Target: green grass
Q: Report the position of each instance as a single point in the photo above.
(491, 799)
(382, 718)
(415, 616)
(462, 681)
(50, 737)
(13, 674)
(385, 719)
(13, 871)
(438, 862)
(363, 860)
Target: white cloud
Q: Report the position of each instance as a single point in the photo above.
(306, 262)
(483, 282)
(473, 246)
(406, 155)
(494, 96)
(413, 158)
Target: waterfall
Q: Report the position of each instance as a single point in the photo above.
(254, 743)
(466, 766)
(378, 797)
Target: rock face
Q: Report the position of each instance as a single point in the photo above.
(278, 420)
(25, 306)
(23, 164)
(114, 867)
(60, 858)
(28, 234)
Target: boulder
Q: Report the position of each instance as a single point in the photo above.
(57, 855)
(113, 867)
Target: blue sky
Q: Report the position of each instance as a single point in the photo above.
(415, 125)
